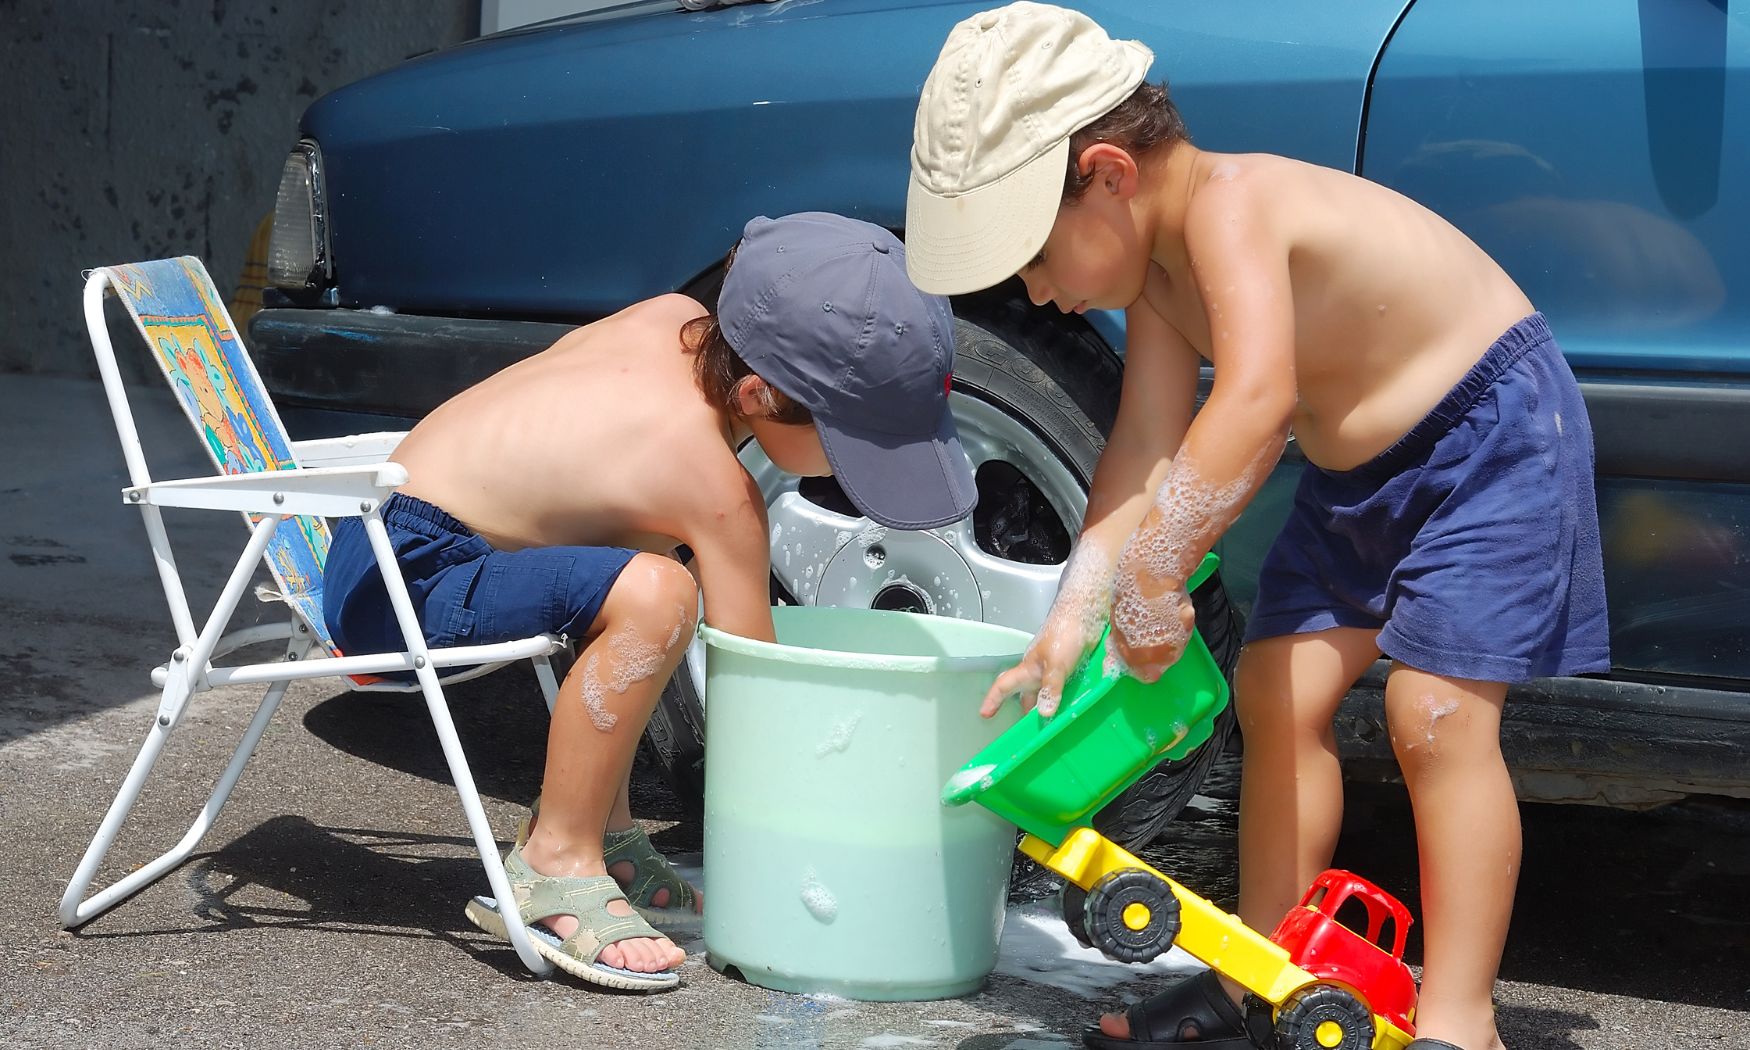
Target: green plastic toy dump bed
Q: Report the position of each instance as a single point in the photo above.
(1050, 776)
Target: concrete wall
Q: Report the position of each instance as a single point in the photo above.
(149, 128)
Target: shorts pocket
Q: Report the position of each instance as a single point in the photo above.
(448, 619)
(522, 595)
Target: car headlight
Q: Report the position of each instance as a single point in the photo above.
(297, 255)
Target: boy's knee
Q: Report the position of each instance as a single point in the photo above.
(1415, 720)
(657, 596)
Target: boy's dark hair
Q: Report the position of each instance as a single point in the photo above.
(1137, 125)
(718, 368)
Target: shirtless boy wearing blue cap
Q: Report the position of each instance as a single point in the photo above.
(1445, 518)
(550, 497)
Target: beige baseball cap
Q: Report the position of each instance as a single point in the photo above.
(991, 142)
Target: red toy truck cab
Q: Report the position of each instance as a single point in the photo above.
(1334, 953)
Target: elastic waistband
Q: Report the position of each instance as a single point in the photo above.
(1527, 334)
(416, 515)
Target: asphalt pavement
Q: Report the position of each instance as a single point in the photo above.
(325, 908)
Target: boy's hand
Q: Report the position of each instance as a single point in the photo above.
(1070, 631)
(1152, 615)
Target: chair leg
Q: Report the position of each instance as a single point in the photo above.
(76, 909)
(484, 841)
(549, 683)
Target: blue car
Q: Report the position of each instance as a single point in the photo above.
(462, 210)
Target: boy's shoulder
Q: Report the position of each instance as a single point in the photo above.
(1263, 201)
(1223, 181)
(671, 308)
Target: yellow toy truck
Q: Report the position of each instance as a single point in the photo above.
(1320, 984)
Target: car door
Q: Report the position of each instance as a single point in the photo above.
(1595, 149)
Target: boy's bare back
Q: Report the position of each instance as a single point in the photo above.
(1385, 304)
(603, 439)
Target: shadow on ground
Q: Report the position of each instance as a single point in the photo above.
(1602, 891)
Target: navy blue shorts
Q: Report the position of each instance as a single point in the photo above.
(1471, 543)
(464, 591)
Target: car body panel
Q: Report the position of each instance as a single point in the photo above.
(1594, 148)
(1585, 145)
(611, 123)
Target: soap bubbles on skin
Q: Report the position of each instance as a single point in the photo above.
(1153, 609)
(631, 660)
(1084, 594)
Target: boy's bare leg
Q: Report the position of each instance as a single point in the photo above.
(638, 638)
(1286, 692)
(620, 816)
(1447, 735)
(1291, 786)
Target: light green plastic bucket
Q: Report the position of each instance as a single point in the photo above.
(832, 864)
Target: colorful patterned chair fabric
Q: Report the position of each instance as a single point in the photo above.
(190, 335)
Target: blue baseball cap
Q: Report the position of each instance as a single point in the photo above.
(820, 307)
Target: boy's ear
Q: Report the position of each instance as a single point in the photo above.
(1113, 169)
(753, 400)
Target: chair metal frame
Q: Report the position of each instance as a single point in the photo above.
(330, 478)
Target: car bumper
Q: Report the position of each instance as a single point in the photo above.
(345, 370)
(1602, 741)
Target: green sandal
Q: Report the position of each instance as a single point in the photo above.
(586, 899)
(652, 872)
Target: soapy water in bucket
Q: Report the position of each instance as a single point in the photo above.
(848, 890)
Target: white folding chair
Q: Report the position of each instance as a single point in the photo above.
(272, 481)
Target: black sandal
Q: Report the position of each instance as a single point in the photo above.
(1157, 1022)
(1431, 1044)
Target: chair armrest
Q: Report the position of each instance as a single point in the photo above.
(329, 492)
(350, 451)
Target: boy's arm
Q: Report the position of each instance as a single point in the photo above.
(1154, 408)
(1240, 263)
(732, 560)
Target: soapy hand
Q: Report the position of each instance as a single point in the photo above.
(1152, 619)
(1152, 615)
(1069, 633)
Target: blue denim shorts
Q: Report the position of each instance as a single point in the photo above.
(1471, 544)
(464, 591)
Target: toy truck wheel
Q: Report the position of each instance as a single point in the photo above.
(1131, 915)
(1074, 903)
(1324, 1017)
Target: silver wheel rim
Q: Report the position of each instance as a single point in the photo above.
(827, 558)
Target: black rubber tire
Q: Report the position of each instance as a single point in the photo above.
(675, 739)
(1073, 902)
(1103, 916)
(1055, 375)
(1297, 1023)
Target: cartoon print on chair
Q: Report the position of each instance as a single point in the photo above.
(194, 387)
(177, 309)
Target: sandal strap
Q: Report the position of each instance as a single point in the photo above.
(651, 870)
(1198, 1001)
(584, 898)
(527, 823)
